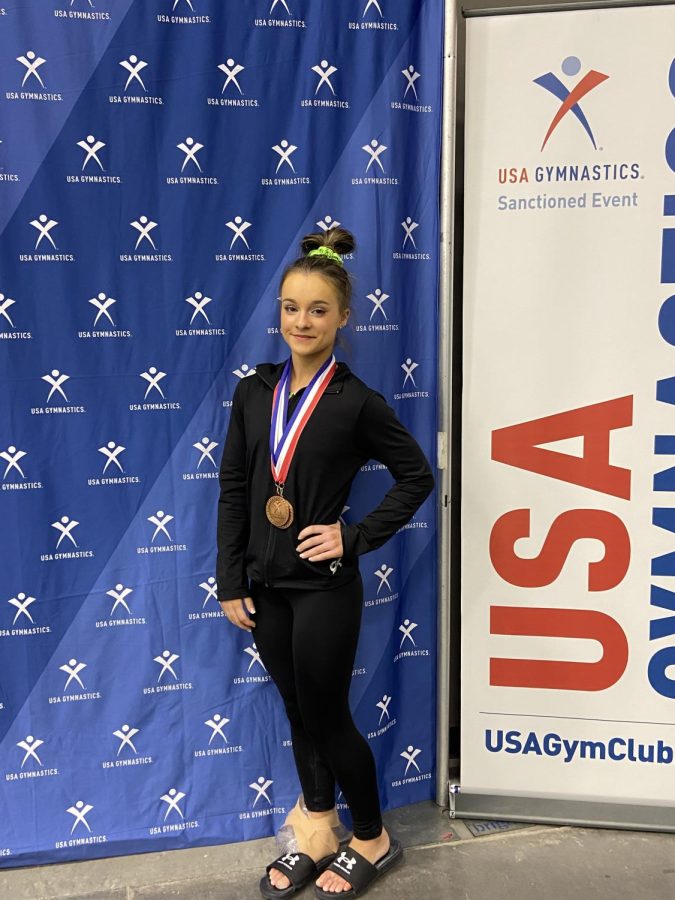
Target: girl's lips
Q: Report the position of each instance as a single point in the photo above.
(303, 337)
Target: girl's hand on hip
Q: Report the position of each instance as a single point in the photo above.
(319, 542)
(236, 612)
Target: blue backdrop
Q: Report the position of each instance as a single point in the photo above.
(159, 162)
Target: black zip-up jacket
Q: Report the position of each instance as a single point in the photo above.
(350, 425)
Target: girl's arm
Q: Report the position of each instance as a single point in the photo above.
(382, 437)
(233, 523)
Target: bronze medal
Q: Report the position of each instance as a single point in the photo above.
(279, 511)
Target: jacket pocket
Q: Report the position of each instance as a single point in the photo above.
(287, 563)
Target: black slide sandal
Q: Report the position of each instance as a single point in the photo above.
(299, 868)
(360, 873)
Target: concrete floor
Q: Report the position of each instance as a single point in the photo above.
(445, 860)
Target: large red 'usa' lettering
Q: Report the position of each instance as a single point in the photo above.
(516, 445)
(558, 674)
(568, 527)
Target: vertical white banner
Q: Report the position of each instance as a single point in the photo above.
(568, 525)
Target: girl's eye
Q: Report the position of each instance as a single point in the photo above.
(289, 308)
(318, 311)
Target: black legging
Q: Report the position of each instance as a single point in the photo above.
(307, 642)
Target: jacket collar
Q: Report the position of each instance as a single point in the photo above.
(270, 373)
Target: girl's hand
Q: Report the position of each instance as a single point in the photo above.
(236, 612)
(319, 542)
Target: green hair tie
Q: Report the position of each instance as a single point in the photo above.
(327, 252)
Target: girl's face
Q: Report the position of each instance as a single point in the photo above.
(310, 315)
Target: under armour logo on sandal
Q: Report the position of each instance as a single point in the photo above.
(349, 862)
(289, 860)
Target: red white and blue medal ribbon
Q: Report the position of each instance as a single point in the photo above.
(284, 434)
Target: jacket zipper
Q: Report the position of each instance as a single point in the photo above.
(268, 554)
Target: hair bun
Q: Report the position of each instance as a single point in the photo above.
(338, 239)
(333, 244)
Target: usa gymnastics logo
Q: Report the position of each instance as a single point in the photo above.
(570, 97)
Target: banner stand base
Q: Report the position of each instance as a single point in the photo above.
(553, 811)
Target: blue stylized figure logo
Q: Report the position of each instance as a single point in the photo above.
(570, 98)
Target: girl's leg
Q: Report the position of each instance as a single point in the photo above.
(273, 636)
(325, 635)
